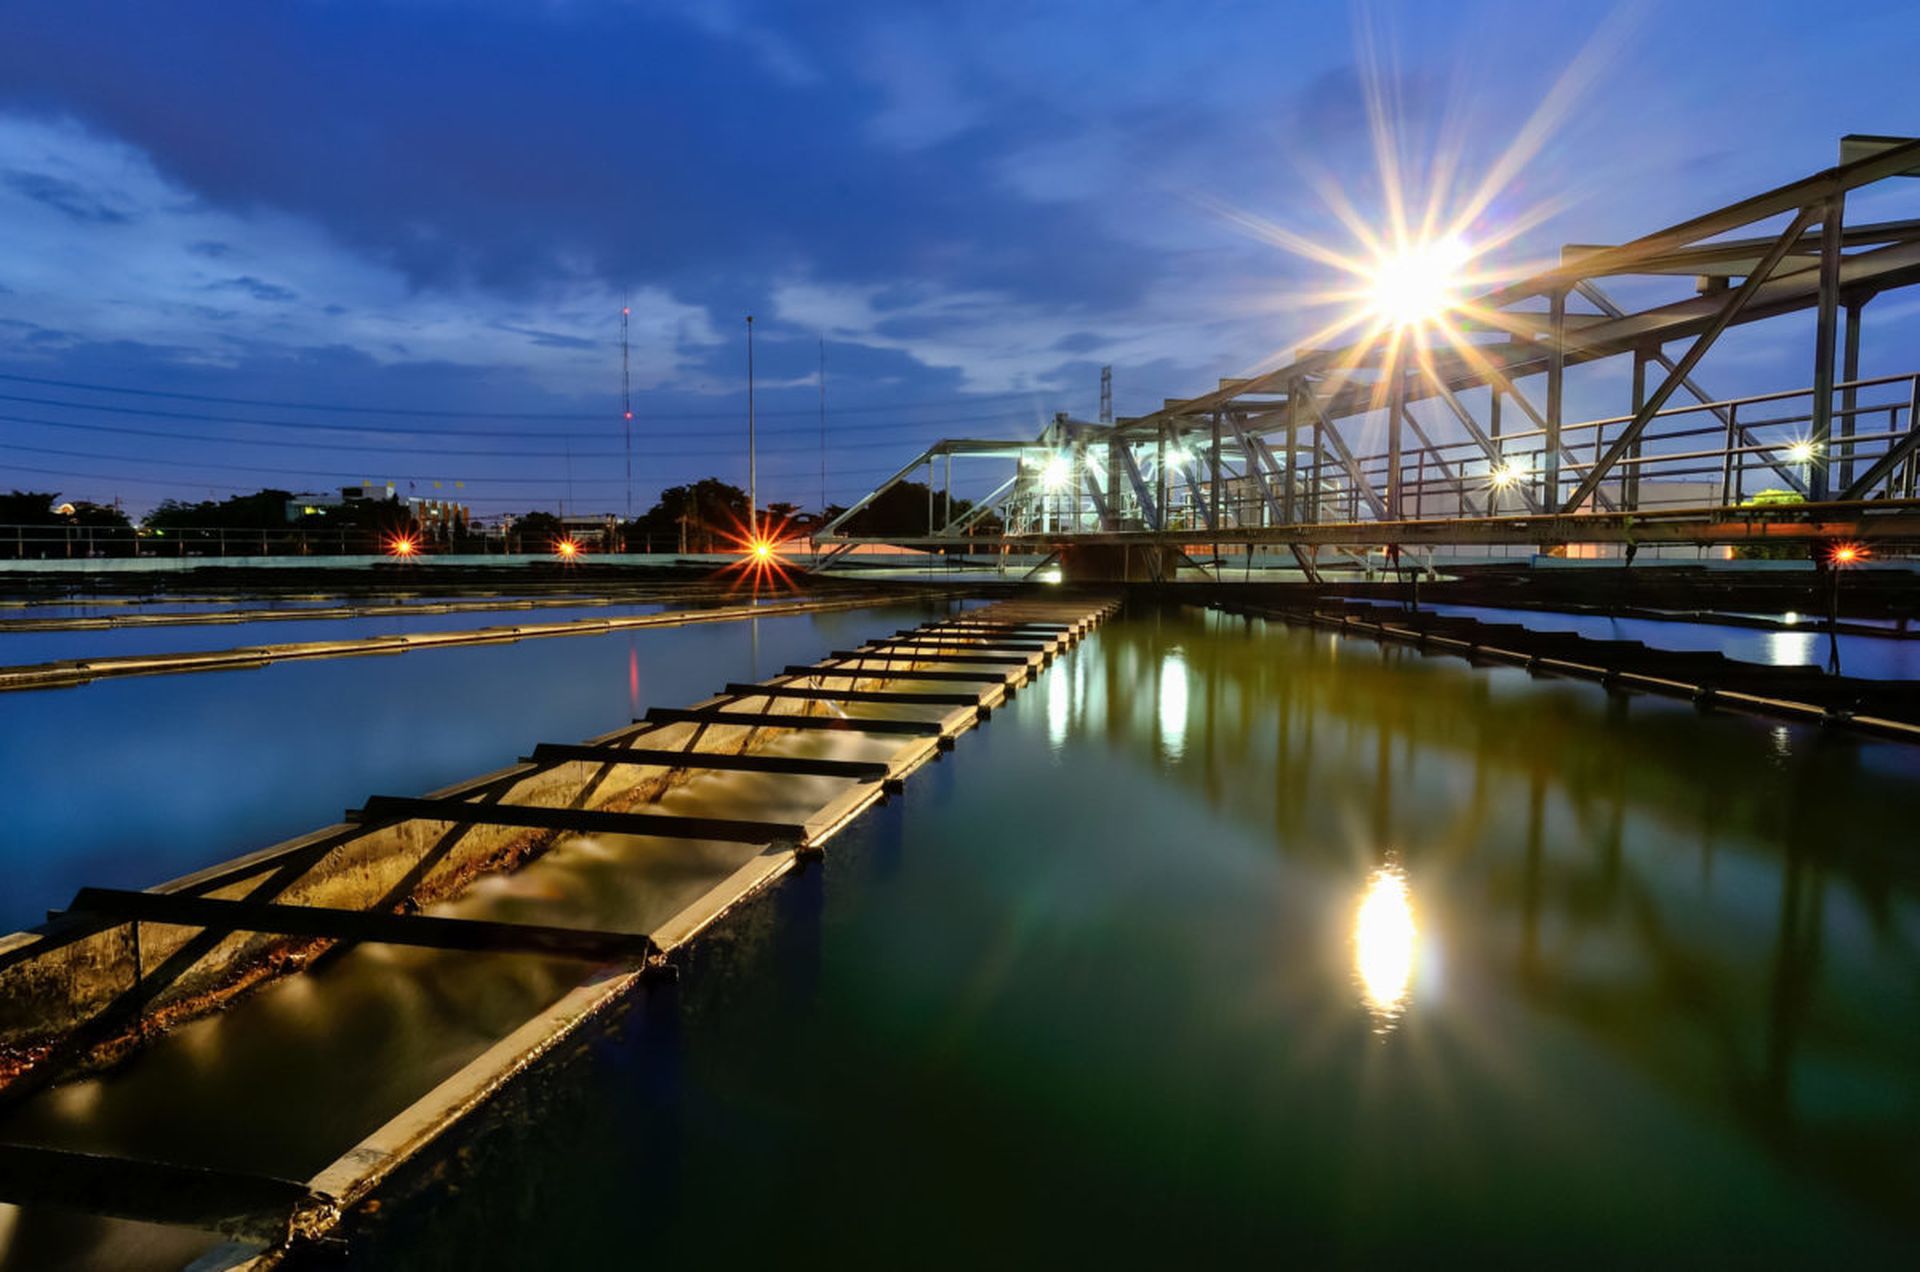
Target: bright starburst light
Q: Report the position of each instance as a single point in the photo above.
(1424, 232)
(1420, 283)
(762, 550)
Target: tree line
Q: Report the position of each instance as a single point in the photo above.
(709, 515)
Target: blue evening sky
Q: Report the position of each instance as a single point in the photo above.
(441, 206)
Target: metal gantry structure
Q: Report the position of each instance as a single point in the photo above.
(1464, 441)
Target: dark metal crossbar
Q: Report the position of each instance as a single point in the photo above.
(426, 931)
(395, 808)
(233, 1203)
(904, 698)
(897, 673)
(909, 655)
(758, 720)
(803, 766)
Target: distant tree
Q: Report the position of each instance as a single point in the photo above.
(28, 508)
(537, 531)
(262, 510)
(706, 516)
(903, 511)
(97, 516)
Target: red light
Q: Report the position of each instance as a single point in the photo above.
(624, 311)
(629, 414)
(1847, 554)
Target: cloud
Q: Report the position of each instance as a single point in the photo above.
(254, 287)
(63, 196)
(142, 275)
(922, 100)
(992, 342)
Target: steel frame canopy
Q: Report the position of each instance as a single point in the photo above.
(1275, 465)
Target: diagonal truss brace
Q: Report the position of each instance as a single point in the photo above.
(1255, 453)
(1192, 470)
(1689, 360)
(1345, 455)
(1446, 469)
(1605, 304)
(1461, 413)
(1149, 511)
(993, 501)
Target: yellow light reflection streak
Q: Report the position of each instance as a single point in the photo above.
(1384, 934)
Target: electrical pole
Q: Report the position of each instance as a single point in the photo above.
(823, 426)
(753, 470)
(1106, 395)
(626, 405)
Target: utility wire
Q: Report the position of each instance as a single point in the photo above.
(439, 442)
(426, 413)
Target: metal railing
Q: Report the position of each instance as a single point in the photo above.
(1747, 451)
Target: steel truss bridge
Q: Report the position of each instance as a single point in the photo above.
(1423, 442)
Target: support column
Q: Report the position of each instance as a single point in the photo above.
(1289, 485)
(1630, 484)
(1216, 474)
(1556, 392)
(1832, 217)
(1160, 483)
(1316, 477)
(1849, 397)
(1396, 409)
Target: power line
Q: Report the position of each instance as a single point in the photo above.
(439, 439)
(428, 413)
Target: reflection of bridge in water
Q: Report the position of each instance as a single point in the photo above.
(1605, 857)
(1411, 439)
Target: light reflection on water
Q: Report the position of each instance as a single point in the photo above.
(1384, 934)
(1059, 708)
(1173, 704)
(1793, 649)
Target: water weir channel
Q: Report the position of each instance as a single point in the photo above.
(680, 816)
(1224, 937)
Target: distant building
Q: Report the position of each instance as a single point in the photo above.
(593, 532)
(436, 518)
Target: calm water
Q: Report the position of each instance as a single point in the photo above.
(21, 648)
(1246, 943)
(1224, 941)
(126, 783)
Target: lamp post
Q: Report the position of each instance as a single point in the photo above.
(753, 471)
